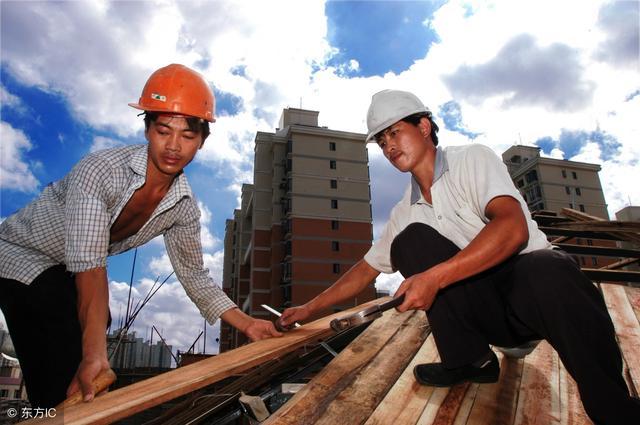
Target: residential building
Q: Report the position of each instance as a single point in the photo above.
(11, 382)
(304, 221)
(552, 184)
(133, 352)
(629, 213)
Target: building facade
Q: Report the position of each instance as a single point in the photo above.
(133, 352)
(304, 221)
(552, 184)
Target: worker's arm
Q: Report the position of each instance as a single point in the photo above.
(93, 314)
(255, 329)
(504, 235)
(349, 285)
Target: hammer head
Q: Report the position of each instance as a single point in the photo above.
(342, 323)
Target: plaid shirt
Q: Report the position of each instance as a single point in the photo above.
(69, 224)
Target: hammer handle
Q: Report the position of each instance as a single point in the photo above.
(392, 303)
(99, 384)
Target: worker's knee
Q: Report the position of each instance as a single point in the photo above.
(419, 247)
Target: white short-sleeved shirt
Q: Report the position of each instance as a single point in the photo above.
(466, 179)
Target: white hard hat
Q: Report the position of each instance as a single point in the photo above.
(390, 106)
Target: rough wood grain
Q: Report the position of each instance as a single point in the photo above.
(356, 402)
(627, 328)
(310, 402)
(153, 391)
(496, 403)
(406, 400)
(539, 399)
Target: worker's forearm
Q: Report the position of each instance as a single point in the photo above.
(93, 310)
(354, 281)
(236, 318)
(499, 239)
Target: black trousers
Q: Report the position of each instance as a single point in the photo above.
(539, 295)
(43, 322)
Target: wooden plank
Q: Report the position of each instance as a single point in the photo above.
(599, 250)
(448, 411)
(430, 411)
(153, 391)
(309, 403)
(538, 402)
(466, 405)
(496, 403)
(633, 294)
(627, 328)
(600, 275)
(356, 402)
(571, 409)
(406, 400)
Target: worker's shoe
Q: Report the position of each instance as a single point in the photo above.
(435, 374)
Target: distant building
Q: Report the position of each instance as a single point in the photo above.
(304, 221)
(552, 184)
(133, 352)
(11, 383)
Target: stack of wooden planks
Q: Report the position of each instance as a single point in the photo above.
(371, 382)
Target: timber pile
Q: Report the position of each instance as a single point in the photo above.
(371, 382)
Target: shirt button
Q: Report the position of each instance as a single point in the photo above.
(439, 217)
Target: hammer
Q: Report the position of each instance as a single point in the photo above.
(364, 316)
(99, 384)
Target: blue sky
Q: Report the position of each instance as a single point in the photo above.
(492, 72)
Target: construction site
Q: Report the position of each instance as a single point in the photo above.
(333, 370)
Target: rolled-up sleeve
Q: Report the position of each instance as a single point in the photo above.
(86, 215)
(185, 253)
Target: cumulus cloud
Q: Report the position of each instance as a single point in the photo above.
(170, 311)
(526, 74)
(100, 143)
(620, 22)
(15, 173)
(9, 100)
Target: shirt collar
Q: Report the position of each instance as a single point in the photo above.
(179, 188)
(441, 165)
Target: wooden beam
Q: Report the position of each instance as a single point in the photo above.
(406, 400)
(620, 264)
(142, 395)
(627, 328)
(309, 404)
(599, 250)
(539, 401)
(575, 233)
(356, 402)
(600, 275)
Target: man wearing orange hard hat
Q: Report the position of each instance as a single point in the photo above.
(54, 291)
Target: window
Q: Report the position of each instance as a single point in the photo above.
(531, 176)
(594, 261)
(520, 183)
(334, 204)
(578, 192)
(589, 242)
(4, 393)
(334, 184)
(564, 174)
(332, 164)
(336, 268)
(16, 394)
(335, 246)
(575, 176)
(568, 190)
(332, 146)
(335, 224)
(582, 261)
(581, 207)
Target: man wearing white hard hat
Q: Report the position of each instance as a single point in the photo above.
(477, 263)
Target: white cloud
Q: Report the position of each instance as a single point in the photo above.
(9, 100)
(14, 169)
(170, 311)
(100, 143)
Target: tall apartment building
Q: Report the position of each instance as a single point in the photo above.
(304, 221)
(552, 184)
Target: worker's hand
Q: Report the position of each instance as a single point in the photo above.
(260, 329)
(419, 291)
(88, 369)
(294, 314)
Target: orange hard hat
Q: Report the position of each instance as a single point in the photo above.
(179, 90)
